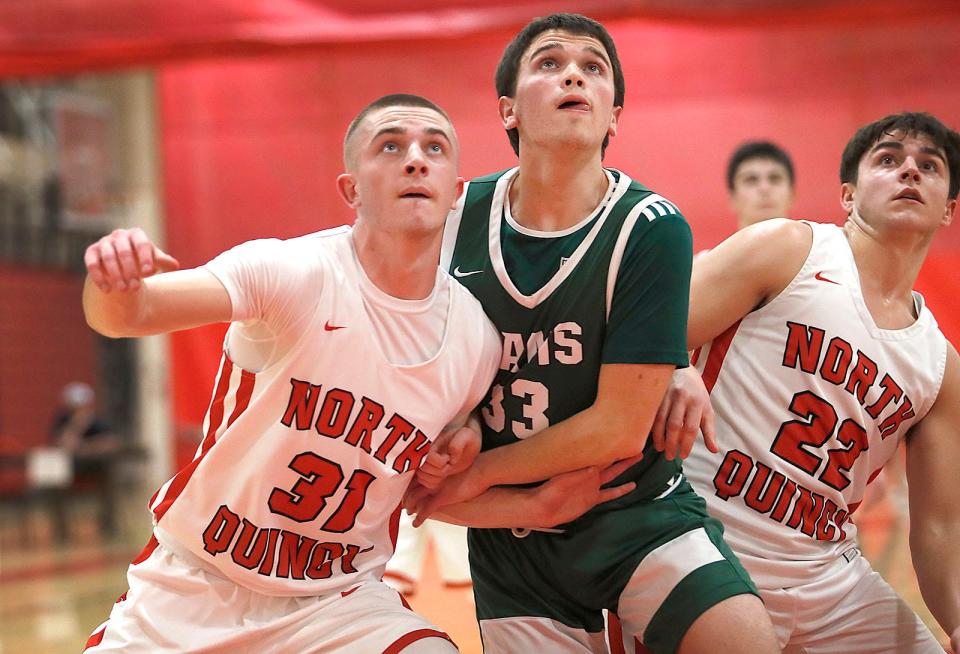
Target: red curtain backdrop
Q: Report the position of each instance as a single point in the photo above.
(251, 144)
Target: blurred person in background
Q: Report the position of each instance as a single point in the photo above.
(85, 434)
(761, 181)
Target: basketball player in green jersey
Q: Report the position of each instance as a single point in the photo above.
(586, 274)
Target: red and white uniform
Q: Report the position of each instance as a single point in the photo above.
(309, 445)
(812, 399)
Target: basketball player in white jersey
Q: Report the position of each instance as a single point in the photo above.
(819, 359)
(348, 352)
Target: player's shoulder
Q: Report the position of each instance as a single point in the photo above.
(778, 233)
(645, 202)
(323, 238)
(468, 311)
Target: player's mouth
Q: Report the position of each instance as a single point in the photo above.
(909, 193)
(416, 193)
(573, 103)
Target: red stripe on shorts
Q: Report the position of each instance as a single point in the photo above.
(718, 352)
(95, 638)
(614, 634)
(615, 638)
(414, 636)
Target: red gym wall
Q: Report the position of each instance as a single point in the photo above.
(251, 145)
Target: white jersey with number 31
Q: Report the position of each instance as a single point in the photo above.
(296, 486)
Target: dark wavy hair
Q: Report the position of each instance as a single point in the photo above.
(908, 123)
(509, 66)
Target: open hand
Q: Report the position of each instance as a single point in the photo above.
(569, 495)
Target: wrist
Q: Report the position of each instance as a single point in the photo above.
(482, 472)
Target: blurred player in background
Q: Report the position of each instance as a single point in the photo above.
(761, 182)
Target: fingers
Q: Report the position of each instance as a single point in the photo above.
(164, 262)
(658, 432)
(674, 431)
(126, 259)
(120, 260)
(613, 471)
(414, 497)
(464, 448)
(434, 469)
(91, 260)
(143, 251)
(708, 425)
(608, 494)
(424, 511)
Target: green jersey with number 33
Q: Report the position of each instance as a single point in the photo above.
(613, 288)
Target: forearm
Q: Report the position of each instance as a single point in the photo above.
(163, 303)
(580, 441)
(615, 427)
(496, 508)
(936, 560)
(113, 314)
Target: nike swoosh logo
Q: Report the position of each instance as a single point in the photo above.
(328, 327)
(819, 276)
(459, 273)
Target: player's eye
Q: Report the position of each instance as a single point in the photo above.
(389, 146)
(595, 68)
(548, 63)
(435, 148)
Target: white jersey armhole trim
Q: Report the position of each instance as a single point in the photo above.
(941, 371)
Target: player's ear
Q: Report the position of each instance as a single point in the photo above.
(614, 122)
(508, 115)
(348, 190)
(848, 193)
(456, 198)
(948, 213)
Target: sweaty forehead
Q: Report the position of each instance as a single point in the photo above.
(406, 116)
(565, 40)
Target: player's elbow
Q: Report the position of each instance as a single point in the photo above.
(622, 441)
(108, 318)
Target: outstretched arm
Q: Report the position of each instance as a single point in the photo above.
(130, 290)
(933, 448)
